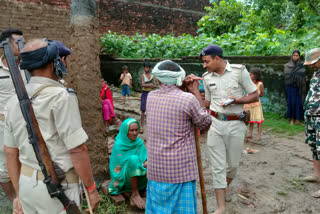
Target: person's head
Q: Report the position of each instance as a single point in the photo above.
(146, 66)
(295, 55)
(212, 57)
(124, 69)
(129, 130)
(169, 73)
(41, 58)
(13, 34)
(63, 52)
(255, 74)
(312, 59)
(102, 82)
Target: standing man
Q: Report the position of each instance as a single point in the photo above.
(6, 91)
(57, 112)
(224, 85)
(312, 115)
(172, 160)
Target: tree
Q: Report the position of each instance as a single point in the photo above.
(84, 76)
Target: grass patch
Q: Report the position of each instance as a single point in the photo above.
(280, 125)
(106, 206)
(282, 193)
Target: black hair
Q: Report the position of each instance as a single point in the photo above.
(8, 33)
(296, 51)
(169, 66)
(124, 67)
(256, 73)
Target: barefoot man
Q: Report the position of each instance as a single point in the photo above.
(172, 160)
(224, 85)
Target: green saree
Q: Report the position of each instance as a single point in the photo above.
(127, 160)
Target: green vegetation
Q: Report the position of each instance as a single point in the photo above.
(107, 206)
(279, 125)
(260, 27)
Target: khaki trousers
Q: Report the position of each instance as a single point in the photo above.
(35, 199)
(225, 146)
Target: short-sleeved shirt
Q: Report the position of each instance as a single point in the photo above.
(126, 79)
(234, 81)
(57, 112)
(312, 103)
(170, 137)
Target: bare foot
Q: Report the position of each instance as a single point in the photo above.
(291, 122)
(249, 136)
(298, 122)
(312, 178)
(316, 194)
(137, 201)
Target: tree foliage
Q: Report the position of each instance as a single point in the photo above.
(253, 27)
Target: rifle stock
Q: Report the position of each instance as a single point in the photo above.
(35, 136)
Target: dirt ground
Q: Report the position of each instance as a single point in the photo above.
(268, 181)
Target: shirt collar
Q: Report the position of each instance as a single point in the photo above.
(227, 68)
(44, 80)
(168, 87)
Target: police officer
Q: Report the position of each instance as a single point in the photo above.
(6, 91)
(312, 115)
(224, 85)
(57, 112)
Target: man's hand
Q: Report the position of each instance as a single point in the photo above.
(94, 199)
(16, 206)
(224, 104)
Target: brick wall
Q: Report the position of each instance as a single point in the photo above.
(36, 20)
(50, 18)
(150, 16)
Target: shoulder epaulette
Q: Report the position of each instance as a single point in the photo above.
(71, 91)
(206, 73)
(239, 66)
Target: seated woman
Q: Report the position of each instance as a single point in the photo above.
(128, 163)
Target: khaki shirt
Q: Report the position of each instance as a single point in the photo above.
(234, 81)
(6, 85)
(57, 113)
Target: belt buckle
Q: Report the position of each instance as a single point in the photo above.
(221, 116)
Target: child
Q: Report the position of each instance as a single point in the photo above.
(107, 106)
(256, 114)
(126, 83)
(148, 84)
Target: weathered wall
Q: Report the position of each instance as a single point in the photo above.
(150, 16)
(49, 17)
(36, 20)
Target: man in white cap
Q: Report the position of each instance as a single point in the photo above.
(312, 115)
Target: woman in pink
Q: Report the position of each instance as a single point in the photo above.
(107, 106)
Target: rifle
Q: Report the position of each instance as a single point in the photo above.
(35, 138)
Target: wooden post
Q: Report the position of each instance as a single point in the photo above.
(202, 186)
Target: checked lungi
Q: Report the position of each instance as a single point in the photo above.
(178, 198)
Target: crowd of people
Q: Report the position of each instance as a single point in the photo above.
(161, 176)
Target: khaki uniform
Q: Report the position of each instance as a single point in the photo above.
(57, 112)
(225, 138)
(6, 92)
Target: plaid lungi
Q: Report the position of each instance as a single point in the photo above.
(171, 198)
